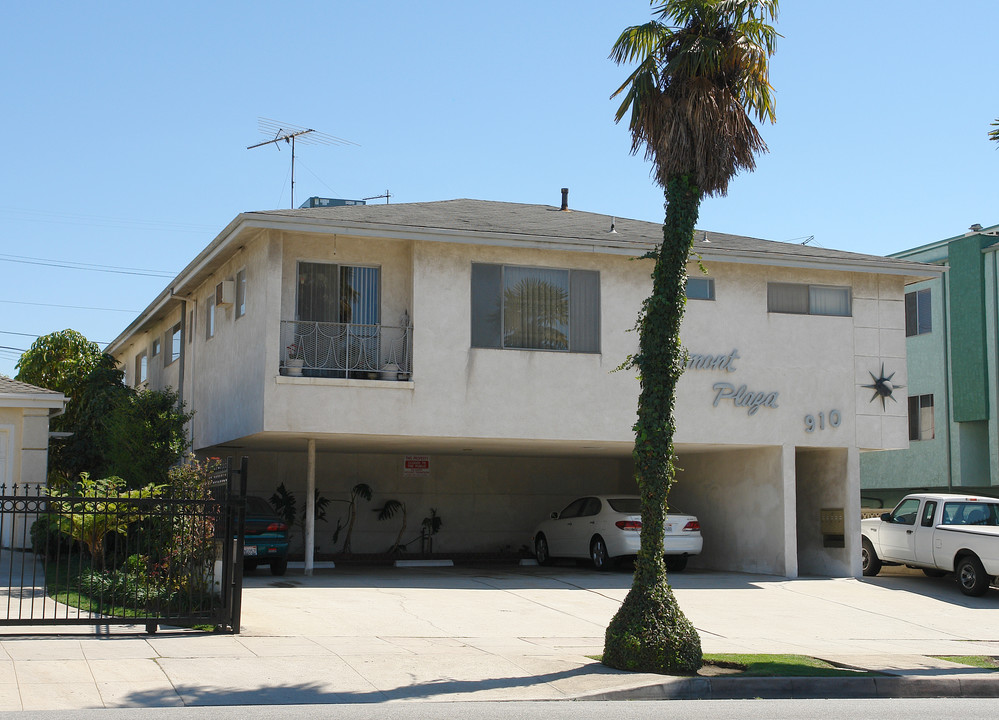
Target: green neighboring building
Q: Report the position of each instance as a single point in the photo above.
(952, 346)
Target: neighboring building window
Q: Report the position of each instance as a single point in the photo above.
(801, 299)
(918, 315)
(141, 368)
(210, 317)
(241, 293)
(700, 288)
(174, 338)
(921, 417)
(529, 308)
(156, 347)
(338, 293)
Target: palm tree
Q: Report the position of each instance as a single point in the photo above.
(703, 70)
(994, 134)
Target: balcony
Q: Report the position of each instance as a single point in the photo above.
(346, 350)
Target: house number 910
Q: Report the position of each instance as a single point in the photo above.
(834, 419)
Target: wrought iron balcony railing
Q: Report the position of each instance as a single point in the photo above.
(346, 350)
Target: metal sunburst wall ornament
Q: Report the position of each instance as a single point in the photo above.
(882, 387)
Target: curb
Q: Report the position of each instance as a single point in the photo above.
(805, 688)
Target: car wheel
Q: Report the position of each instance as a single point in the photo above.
(971, 576)
(279, 567)
(930, 572)
(676, 563)
(870, 563)
(598, 554)
(541, 551)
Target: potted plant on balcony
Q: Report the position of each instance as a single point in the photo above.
(294, 362)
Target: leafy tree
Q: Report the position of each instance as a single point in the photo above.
(994, 134)
(67, 362)
(145, 436)
(703, 70)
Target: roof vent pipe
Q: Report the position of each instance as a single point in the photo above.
(565, 199)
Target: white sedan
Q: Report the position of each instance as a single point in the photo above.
(605, 527)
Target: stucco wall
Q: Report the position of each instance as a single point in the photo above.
(820, 485)
(738, 497)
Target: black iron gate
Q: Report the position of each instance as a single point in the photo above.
(103, 555)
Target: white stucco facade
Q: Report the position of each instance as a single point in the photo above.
(771, 416)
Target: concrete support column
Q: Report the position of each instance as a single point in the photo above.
(310, 507)
(851, 511)
(790, 506)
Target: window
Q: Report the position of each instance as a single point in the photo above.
(803, 299)
(528, 308)
(174, 339)
(190, 326)
(241, 293)
(905, 513)
(156, 347)
(700, 288)
(338, 293)
(918, 316)
(141, 368)
(921, 417)
(210, 317)
(929, 510)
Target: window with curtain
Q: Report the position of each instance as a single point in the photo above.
(802, 299)
(338, 293)
(530, 308)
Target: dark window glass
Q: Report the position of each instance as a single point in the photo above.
(699, 288)
(929, 509)
(530, 308)
(921, 424)
(918, 312)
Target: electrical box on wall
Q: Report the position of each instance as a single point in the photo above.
(225, 292)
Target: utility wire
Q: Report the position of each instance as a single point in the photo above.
(74, 307)
(85, 266)
(36, 335)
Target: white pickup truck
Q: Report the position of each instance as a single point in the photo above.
(940, 534)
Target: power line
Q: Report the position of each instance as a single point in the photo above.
(36, 335)
(72, 265)
(101, 221)
(74, 307)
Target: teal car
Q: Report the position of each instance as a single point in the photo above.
(265, 539)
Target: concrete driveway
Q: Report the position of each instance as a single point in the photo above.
(568, 608)
(367, 635)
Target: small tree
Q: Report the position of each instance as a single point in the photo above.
(94, 509)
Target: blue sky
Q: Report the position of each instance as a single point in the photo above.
(125, 128)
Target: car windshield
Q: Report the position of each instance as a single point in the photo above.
(630, 506)
(258, 506)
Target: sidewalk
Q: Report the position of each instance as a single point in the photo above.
(383, 634)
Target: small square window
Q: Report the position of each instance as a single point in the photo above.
(156, 347)
(700, 288)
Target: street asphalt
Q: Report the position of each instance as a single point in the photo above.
(505, 633)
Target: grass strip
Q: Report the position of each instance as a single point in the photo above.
(986, 662)
(761, 665)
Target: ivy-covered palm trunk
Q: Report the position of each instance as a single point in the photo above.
(649, 633)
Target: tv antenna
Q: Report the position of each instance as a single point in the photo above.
(387, 195)
(289, 133)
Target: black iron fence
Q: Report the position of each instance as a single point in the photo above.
(101, 554)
